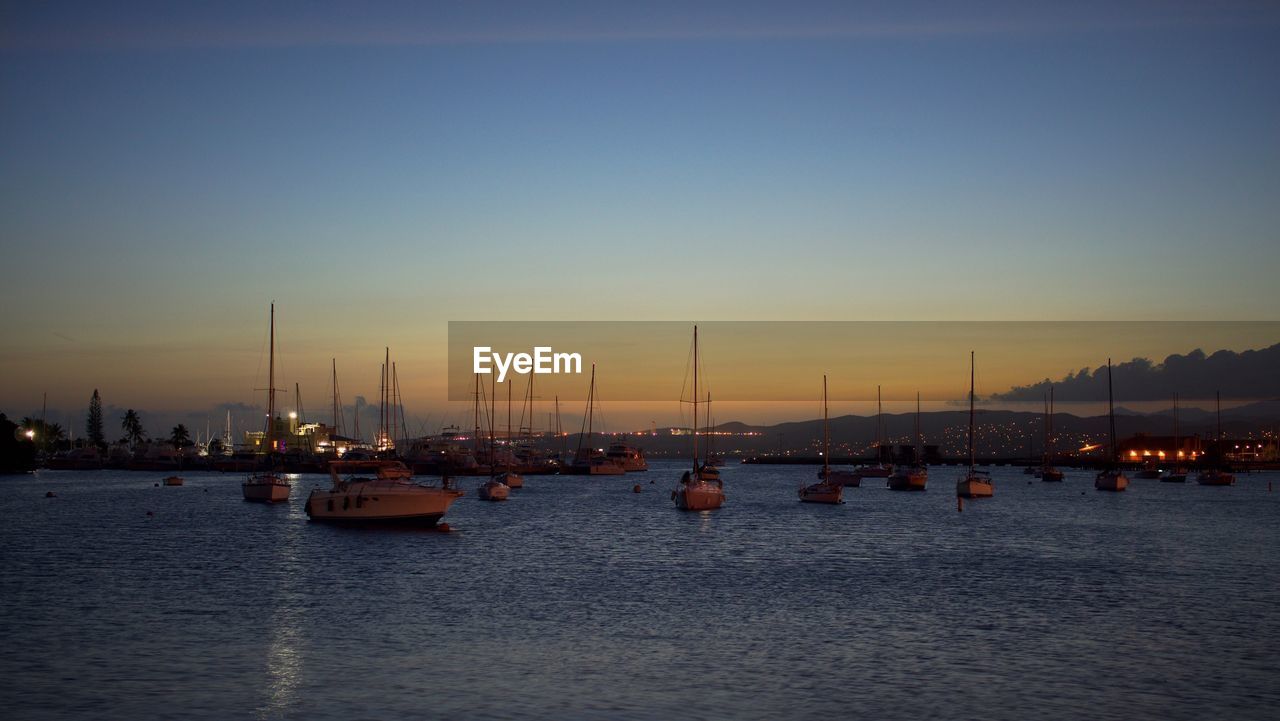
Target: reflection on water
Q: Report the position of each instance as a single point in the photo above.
(581, 599)
(283, 659)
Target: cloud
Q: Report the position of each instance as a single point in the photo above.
(1247, 375)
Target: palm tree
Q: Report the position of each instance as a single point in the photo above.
(180, 438)
(44, 434)
(132, 425)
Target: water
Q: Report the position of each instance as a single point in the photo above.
(581, 599)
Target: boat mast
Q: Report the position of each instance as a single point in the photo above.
(919, 444)
(493, 394)
(695, 402)
(971, 412)
(591, 394)
(1176, 441)
(1218, 452)
(826, 432)
(271, 385)
(564, 442)
(1111, 416)
(509, 424)
(403, 425)
(476, 439)
(1049, 445)
(879, 420)
(335, 394)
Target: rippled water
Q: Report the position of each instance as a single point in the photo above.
(581, 599)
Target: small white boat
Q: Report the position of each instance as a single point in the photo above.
(493, 490)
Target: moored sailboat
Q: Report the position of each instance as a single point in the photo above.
(1111, 478)
(879, 469)
(1217, 476)
(974, 483)
(827, 489)
(1178, 473)
(699, 489)
(914, 477)
(268, 486)
(1047, 471)
(588, 460)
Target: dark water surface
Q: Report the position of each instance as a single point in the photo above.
(581, 599)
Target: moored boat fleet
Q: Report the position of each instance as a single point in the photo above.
(376, 484)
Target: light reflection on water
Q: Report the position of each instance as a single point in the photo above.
(579, 598)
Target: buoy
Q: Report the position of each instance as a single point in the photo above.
(635, 488)
(444, 527)
(157, 485)
(50, 494)
(150, 514)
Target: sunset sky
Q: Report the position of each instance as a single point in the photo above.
(379, 169)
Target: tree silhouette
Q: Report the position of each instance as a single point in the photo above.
(93, 423)
(180, 437)
(46, 435)
(132, 425)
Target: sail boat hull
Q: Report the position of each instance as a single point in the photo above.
(265, 489)
(698, 496)
(493, 491)
(909, 480)
(1113, 481)
(823, 492)
(1216, 478)
(974, 487)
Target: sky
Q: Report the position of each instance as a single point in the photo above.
(379, 169)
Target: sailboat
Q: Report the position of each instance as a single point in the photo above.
(587, 461)
(700, 489)
(268, 487)
(492, 489)
(974, 483)
(826, 490)
(509, 476)
(916, 476)
(1177, 474)
(1217, 476)
(879, 469)
(1047, 471)
(1111, 478)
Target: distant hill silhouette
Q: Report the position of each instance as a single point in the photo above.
(1247, 375)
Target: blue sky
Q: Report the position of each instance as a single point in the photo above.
(380, 169)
